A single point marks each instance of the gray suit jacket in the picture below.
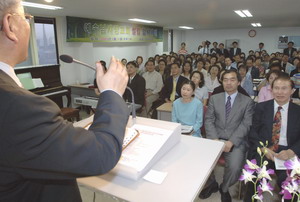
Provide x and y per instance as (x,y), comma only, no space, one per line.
(41,155)
(236,128)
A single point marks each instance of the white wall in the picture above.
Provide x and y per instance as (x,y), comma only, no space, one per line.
(92,52)
(267,35)
(178,37)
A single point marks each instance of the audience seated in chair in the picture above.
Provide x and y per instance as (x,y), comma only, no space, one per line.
(265,92)
(154,85)
(201,91)
(188,110)
(276,121)
(228,119)
(136,83)
(252,70)
(171,90)
(246,80)
(211,81)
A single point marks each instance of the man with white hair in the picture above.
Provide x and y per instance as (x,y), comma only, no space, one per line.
(41,155)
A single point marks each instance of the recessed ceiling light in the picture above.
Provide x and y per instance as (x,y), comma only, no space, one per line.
(256,24)
(244,13)
(49,1)
(141,20)
(43,6)
(240,13)
(185,27)
(247,13)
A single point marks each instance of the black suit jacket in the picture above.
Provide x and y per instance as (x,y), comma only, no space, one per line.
(254,73)
(168,87)
(262,125)
(138,86)
(41,155)
(286,52)
(215,51)
(225,52)
(231,52)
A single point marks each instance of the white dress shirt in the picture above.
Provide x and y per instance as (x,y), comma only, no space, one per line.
(204,50)
(153,81)
(10,72)
(211,84)
(283,129)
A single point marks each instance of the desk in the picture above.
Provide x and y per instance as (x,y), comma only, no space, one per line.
(81,91)
(164,112)
(188,165)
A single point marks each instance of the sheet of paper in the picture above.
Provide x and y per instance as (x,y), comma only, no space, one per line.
(186,129)
(279,164)
(155,176)
(140,152)
(38,83)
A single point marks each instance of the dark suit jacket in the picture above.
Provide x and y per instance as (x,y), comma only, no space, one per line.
(41,155)
(231,52)
(262,125)
(215,51)
(286,52)
(138,86)
(225,52)
(254,73)
(168,87)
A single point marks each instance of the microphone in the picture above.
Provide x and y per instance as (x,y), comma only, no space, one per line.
(69,59)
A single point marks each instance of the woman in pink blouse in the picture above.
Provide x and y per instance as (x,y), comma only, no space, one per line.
(265,92)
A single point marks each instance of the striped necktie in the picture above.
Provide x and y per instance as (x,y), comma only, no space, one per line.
(276,129)
(228,107)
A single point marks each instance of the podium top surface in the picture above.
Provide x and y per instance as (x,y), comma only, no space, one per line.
(188,165)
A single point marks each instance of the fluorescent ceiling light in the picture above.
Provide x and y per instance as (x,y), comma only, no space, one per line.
(49,1)
(240,13)
(141,20)
(185,27)
(256,24)
(243,13)
(43,6)
(247,13)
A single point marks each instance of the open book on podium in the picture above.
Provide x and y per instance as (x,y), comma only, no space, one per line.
(155,139)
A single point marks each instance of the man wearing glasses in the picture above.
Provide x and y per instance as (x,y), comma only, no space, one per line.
(41,155)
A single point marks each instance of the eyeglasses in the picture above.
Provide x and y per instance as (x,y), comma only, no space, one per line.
(27,16)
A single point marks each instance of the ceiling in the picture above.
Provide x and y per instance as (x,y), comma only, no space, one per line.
(200,14)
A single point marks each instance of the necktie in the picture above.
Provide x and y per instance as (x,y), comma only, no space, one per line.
(228,107)
(172,96)
(276,129)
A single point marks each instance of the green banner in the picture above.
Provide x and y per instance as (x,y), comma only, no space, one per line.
(92,30)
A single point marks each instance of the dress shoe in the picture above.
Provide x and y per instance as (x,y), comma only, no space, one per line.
(205,193)
(225,196)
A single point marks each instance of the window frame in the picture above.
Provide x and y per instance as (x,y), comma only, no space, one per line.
(33,41)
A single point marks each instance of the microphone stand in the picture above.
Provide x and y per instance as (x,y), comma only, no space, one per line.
(69,59)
